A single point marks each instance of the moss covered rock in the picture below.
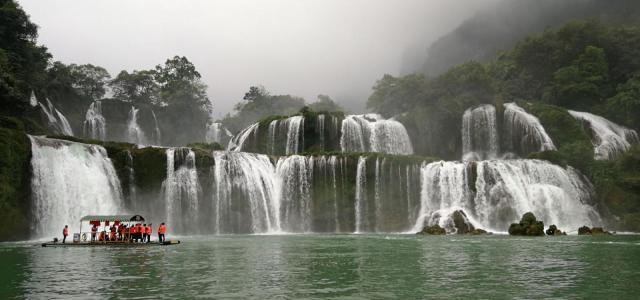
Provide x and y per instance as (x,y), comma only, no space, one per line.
(553,230)
(528,226)
(433,230)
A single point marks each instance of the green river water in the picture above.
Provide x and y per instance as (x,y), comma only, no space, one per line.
(331,266)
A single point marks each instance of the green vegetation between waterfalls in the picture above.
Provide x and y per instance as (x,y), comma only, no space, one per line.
(15,191)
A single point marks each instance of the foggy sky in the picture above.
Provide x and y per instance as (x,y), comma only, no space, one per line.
(298,47)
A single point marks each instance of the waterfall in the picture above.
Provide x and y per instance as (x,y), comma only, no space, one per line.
(181,190)
(246,193)
(33,101)
(320,131)
(480,133)
(238,141)
(56,119)
(495,193)
(295,204)
(157,136)
(295,129)
(95,125)
(523,132)
(361,184)
(609,139)
(333,164)
(216,133)
(70,180)
(372,133)
(135,134)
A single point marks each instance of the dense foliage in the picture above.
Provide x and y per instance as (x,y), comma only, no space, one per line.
(258,104)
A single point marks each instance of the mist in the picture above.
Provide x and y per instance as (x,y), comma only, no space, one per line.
(302,48)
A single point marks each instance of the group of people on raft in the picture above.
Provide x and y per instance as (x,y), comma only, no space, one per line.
(138,233)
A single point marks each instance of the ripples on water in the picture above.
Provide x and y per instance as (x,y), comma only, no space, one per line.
(330,266)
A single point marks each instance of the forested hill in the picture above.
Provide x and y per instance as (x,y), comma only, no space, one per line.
(588,66)
(501,26)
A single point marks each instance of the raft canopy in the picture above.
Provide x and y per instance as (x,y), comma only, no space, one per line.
(113,218)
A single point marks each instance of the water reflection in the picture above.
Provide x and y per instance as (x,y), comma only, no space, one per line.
(330,266)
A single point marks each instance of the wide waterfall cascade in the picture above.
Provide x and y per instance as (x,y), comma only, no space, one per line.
(95,125)
(480,133)
(56,119)
(372,133)
(181,190)
(246,193)
(523,132)
(503,190)
(609,139)
(295,204)
(216,133)
(135,134)
(70,180)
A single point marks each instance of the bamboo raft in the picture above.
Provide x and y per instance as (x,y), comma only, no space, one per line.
(109,244)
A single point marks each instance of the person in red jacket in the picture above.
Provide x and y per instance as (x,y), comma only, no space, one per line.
(161,230)
(148,231)
(65,232)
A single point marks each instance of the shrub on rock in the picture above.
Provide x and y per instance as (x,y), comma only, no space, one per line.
(553,230)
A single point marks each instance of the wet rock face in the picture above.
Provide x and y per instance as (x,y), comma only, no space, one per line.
(461,223)
(584,230)
(433,230)
(528,226)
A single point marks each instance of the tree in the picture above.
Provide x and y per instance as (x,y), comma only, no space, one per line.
(325,104)
(624,107)
(139,87)
(22,62)
(582,84)
(180,82)
(394,95)
(89,80)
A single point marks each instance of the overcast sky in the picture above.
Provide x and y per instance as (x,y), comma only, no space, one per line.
(298,47)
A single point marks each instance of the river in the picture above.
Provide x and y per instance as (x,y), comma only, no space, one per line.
(330,266)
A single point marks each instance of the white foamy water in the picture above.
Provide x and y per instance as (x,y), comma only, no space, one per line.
(70,180)
(609,139)
(95,125)
(372,133)
(523,132)
(480,133)
(135,134)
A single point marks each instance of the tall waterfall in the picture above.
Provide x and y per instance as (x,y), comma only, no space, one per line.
(609,139)
(181,190)
(372,133)
(295,204)
(246,193)
(56,119)
(495,193)
(135,134)
(480,133)
(216,133)
(523,132)
(95,125)
(157,136)
(70,180)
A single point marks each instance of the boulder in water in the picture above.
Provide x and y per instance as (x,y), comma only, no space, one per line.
(599,231)
(584,230)
(478,231)
(528,226)
(461,223)
(553,230)
(433,230)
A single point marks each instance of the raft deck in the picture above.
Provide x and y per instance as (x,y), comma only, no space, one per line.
(110,244)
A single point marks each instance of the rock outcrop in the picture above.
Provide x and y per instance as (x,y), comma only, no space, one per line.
(528,226)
